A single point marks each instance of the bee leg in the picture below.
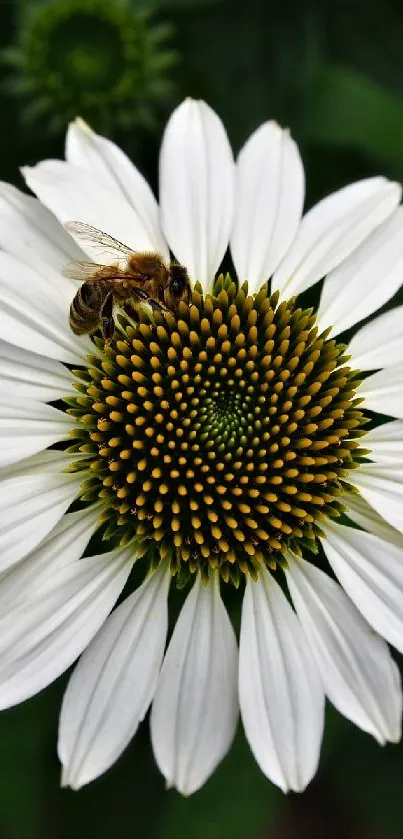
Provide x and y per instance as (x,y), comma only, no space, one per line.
(132,312)
(139,292)
(155,305)
(108,324)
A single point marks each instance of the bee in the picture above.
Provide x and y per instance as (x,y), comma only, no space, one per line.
(143,278)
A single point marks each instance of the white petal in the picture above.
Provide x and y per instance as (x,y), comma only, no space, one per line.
(386,442)
(358,673)
(332,229)
(197,174)
(38,643)
(30,232)
(49,461)
(28,427)
(63,545)
(371,572)
(359,511)
(113,684)
(111,167)
(280,694)
(34,313)
(195,710)
(73,194)
(270,188)
(27,375)
(383,391)
(366,280)
(380,342)
(32,501)
(381,484)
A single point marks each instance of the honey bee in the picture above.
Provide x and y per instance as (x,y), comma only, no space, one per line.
(144,278)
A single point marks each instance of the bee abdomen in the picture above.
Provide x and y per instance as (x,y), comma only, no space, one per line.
(82,318)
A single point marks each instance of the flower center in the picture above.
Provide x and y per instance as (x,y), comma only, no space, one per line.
(93,57)
(87,51)
(222,437)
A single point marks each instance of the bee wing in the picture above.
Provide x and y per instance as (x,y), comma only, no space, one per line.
(80,270)
(89,235)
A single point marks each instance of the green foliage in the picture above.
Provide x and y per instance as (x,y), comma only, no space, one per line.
(346,108)
(105,61)
(24,741)
(189,4)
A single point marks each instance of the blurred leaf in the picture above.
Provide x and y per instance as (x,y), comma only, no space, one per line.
(347,108)
(179,4)
(124,803)
(237,802)
(251,61)
(336,733)
(24,739)
(367,779)
(367,34)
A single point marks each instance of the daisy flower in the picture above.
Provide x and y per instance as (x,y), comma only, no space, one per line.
(235,443)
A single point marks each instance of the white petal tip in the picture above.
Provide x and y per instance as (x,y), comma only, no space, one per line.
(170,784)
(184,791)
(288,787)
(272,123)
(182,788)
(191,101)
(299,787)
(392,737)
(65,781)
(394,186)
(70,781)
(81,124)
(385,739)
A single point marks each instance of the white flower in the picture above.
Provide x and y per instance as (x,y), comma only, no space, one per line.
(57,604)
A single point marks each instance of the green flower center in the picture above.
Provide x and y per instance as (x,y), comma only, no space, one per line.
(222,437)
(103,60)
(87,51)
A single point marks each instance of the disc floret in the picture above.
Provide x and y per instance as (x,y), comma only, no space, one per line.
(222,437)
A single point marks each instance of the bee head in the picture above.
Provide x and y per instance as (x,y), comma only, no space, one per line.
(178,286)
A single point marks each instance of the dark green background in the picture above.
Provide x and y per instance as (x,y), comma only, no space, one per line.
(332,72)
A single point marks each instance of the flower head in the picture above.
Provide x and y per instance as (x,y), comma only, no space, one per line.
(243,420)
(109,63)
(232,441)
